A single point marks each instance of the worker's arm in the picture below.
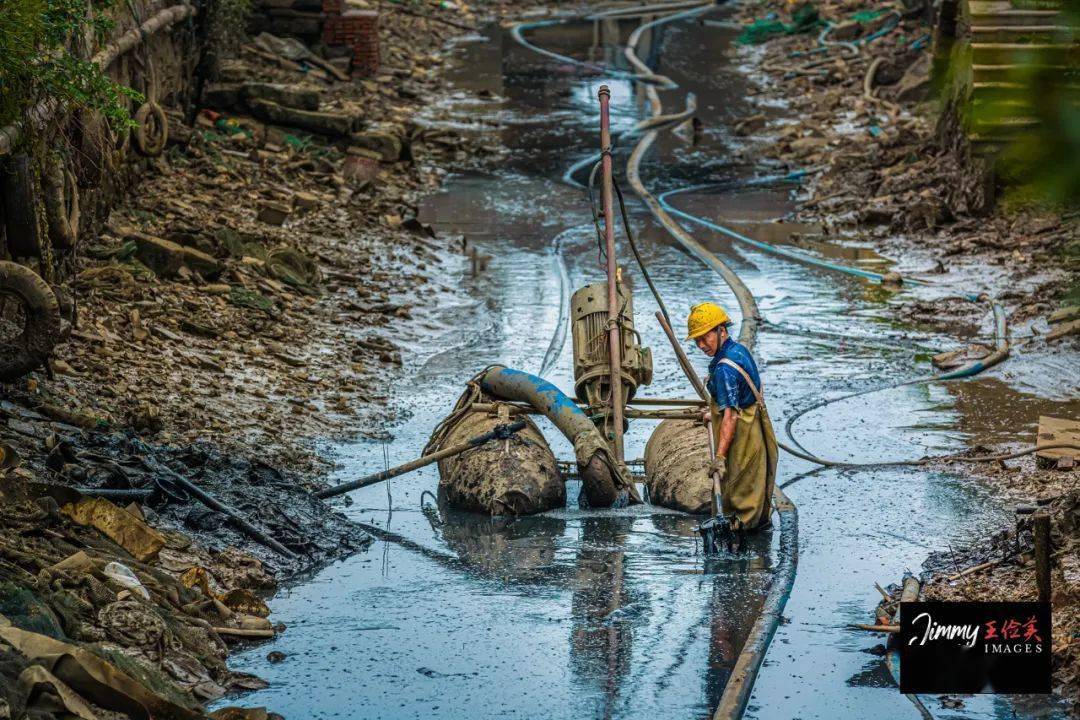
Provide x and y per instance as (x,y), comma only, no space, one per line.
(727,431)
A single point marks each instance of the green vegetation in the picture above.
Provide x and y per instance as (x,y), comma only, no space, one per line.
(1041,166)
(43,54)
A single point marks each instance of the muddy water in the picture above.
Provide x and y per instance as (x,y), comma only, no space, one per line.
(614,613)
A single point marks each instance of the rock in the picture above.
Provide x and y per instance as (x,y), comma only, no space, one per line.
(273,213)
(387,146)
(1063,330)
(846,31)
(293,96)
(206,265)
(323,123)
(1065,314)
(808,144)
(60,367)
(305,200)
(358,169)
(751,124)
(166,258)
(146,417)
(915,84)
(162,256)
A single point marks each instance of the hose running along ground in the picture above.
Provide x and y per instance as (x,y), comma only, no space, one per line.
(740,684)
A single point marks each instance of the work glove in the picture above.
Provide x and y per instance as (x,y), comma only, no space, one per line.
(718,465)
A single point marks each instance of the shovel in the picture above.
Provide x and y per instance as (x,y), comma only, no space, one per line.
(716,528)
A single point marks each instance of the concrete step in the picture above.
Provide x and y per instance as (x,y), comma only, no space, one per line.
(1020,34)
(1016,53)
(987,7)
(1005,72)
(1016,89)
(1016,17)
(1037,4)
(1003,127)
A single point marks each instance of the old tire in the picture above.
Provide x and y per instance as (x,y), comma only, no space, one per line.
(152,131)
(60,196)
(29,320)
(19,192)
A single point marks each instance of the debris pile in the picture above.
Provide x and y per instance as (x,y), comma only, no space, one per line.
(862,120)
(157,475)
(1002,568)
(857,82)
(284,214)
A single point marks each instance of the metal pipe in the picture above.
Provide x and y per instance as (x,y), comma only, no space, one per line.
(614,334)
(741,682)
(684,362)
(133,494)
(499,433)
(674,414)
(214,504)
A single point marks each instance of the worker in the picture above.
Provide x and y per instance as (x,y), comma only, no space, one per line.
(742,432)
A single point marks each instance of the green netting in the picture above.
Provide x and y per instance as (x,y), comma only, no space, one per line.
(867,15)
(27,612)
(804,19)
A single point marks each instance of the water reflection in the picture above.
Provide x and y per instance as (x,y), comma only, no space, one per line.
(520,549)
(602,632)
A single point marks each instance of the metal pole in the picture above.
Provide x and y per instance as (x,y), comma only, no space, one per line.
(614,335)
(214,504)
(499,433)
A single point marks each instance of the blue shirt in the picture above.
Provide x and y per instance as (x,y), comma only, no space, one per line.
(726,385)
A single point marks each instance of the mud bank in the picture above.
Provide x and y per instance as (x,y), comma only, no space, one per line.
(855,107)
(237,312)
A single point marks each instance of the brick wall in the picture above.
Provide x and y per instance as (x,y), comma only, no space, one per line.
(356,29)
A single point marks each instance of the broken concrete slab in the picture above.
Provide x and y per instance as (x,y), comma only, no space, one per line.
(293,96)
(323,123)
(387,145)
(1053,431)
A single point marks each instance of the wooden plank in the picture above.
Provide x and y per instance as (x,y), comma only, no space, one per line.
(1056,430)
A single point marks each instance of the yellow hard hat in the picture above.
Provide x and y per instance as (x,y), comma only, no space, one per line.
(703,318)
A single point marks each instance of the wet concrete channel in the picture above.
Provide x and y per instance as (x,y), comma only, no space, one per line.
(614,613)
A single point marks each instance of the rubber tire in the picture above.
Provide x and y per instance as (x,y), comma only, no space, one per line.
(42,331)
(19,193)
(144,142)
(60,196)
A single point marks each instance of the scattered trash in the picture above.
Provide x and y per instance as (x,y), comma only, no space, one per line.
(120,526)
(122,575)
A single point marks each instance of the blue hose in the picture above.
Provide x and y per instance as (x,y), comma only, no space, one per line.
(604,482)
